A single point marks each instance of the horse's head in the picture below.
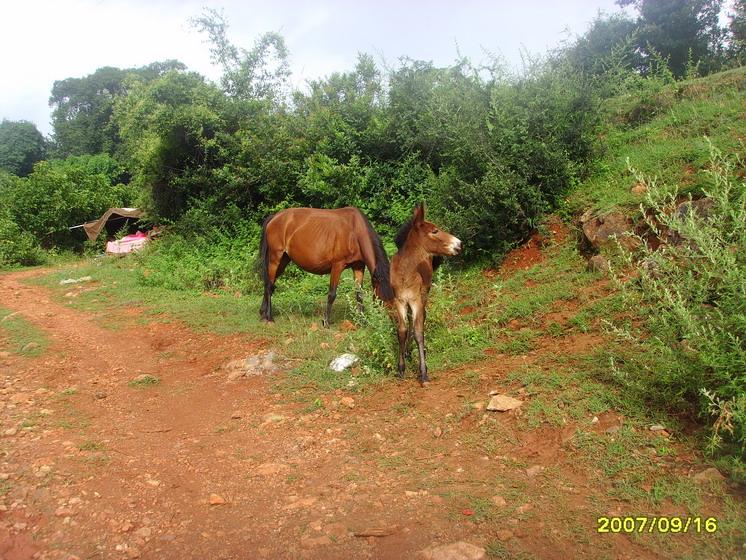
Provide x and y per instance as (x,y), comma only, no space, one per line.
(431,238)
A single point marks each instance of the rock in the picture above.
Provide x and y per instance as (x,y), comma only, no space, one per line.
(657,428)
(437,432)
(533,471)
(236,416)
(708,475)
(342,362)
(75,280)
(258,364)
(146,532)
(499,501)
(504,535)
(503,403)
(701,208)
(133,552)
(606,230)
(460,550)
(63,511)
(272,417)
(10,432)
(594,420)
(349,402)
(598,263)
(216,500)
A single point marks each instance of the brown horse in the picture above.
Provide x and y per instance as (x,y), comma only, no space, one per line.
(421,247)
(322,242)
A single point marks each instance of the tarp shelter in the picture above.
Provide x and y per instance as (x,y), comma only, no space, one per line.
(113,219)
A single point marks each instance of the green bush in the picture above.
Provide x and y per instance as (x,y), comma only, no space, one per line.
(17,247)
(693,290)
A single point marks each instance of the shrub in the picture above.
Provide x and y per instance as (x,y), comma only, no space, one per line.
(693,290)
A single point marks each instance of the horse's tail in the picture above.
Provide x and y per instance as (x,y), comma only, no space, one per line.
(262,260)
(380,273)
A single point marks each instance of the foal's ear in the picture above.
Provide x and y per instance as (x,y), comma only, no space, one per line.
(419,213)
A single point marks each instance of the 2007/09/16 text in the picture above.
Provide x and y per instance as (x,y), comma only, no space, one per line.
(655,524)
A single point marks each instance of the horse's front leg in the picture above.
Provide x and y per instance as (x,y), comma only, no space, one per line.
(336,272)
(359,272)
(418,318)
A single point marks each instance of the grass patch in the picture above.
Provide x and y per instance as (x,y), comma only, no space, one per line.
(144,381)
(19,336)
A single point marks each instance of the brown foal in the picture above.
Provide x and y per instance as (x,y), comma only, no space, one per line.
(420,243)
(322,242)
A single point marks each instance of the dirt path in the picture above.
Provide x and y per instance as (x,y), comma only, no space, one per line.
(199,467)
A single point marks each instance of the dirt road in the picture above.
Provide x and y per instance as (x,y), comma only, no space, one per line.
(197,466)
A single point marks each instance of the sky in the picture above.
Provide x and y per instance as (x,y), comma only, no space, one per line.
(47,40)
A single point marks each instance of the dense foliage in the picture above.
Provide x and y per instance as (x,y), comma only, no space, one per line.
(21,146)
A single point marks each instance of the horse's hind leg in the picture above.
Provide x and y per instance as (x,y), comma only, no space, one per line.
(277,263)
(418,318)
(336,272)
(403,334)
(359,272)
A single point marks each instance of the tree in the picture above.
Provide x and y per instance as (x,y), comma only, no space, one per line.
(682,31)
(21,146)
(737,27)
(259,73)
(82,108)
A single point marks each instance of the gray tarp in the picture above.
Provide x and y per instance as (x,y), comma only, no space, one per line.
(93,228)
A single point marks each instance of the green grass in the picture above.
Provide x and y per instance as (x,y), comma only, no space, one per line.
(19,336)
(144,381)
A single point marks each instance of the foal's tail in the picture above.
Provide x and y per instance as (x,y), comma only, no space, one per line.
(380,273)
(262,261)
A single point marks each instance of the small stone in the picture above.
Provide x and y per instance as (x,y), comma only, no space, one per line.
(349,402)
(236,416)
(708,475)
(437,432)
(499,501)
(133,552)
(657,428)
(533,471)
(598,263)
(145,532)
(523,509)
(503,403)
(216,500)
(594,420)
(63,511)
(10,432)
(504,535)
(126,526)
(344,361)
(460,550)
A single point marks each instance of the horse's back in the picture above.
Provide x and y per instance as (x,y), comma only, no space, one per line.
(316,238)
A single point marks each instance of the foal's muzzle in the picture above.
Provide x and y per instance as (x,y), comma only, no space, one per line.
(455,246)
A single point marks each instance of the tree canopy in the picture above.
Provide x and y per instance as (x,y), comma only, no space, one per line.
(21,146)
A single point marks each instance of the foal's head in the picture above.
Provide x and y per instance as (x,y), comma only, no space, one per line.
(427,235)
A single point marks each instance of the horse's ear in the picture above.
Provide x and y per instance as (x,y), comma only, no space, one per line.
(419,213)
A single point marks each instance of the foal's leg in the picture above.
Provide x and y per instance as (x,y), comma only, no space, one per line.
(403,334)
(359,272)
(277,263)
(418,318)
(336,272)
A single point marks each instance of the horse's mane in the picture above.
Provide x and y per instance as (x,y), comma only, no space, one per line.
(381,273)
(401,239)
